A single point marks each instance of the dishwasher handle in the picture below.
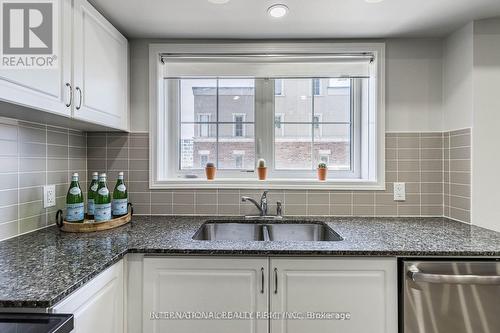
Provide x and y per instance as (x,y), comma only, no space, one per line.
(417,276)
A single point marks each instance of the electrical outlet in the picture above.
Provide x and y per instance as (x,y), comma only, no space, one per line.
(49,196)
(399,191)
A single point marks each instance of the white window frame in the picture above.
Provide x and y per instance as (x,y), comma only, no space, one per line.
(372,178)
(243,127)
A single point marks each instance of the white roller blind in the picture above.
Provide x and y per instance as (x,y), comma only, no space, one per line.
(268,66)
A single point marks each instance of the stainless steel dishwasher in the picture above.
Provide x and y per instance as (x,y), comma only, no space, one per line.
(450,296)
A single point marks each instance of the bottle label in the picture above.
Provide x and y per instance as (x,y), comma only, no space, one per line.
(90,207)
(102,212)
(74,212)
(103,191)
(121,188)
(75,191)
(120,206)
(94,187)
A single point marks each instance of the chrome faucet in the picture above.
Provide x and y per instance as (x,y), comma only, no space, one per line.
(262,206)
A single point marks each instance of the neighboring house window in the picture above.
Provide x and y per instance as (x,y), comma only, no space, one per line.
(317,87)
(278,87)
(238,126)
(204,126)
(203,159)
(238,161)
(324,156)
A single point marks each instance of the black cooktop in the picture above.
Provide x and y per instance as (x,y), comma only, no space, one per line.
(35,323)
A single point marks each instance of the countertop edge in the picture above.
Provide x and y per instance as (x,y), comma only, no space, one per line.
(48,304)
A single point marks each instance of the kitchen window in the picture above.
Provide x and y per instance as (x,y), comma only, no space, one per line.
(234,107)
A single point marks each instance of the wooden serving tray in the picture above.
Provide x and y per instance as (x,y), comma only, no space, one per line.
(90,225)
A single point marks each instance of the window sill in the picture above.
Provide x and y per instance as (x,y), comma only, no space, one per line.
(281,184)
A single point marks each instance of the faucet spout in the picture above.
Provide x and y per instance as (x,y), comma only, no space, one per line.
(245,199)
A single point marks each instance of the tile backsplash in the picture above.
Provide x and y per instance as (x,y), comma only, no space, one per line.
(32,155)
(457,174)
(414,158)
(434,166)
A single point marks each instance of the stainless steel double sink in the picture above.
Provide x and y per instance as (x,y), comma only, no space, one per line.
(263,231)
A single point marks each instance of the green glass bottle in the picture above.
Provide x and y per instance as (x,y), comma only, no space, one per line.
(74,201)
(91,195)
(120,197)
(102,201)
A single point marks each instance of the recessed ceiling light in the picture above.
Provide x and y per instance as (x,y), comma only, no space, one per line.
(277,11)
(236,98)
(219,2)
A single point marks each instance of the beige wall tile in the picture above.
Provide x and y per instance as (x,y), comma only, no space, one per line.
(341,210)
(295,198)
(295,209)
(382,210)
(318,198)
(318,210)
(361,210)
(408,210)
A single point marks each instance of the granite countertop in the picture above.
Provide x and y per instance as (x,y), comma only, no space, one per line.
(39,269)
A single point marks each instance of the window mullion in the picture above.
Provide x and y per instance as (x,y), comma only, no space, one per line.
(264,124)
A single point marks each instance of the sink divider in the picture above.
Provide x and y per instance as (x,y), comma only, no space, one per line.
(265,233)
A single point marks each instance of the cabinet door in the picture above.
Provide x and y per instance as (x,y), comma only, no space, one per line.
(100,69)
(44,89)
(364,289)
(210,285)
(98,306)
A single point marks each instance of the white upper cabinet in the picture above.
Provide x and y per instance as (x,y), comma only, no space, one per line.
(90,82)
(44,89)
(100,69)
(364,289)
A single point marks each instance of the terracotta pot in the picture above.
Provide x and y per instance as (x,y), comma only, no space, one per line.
(210,172)
(322,172)
(262,173)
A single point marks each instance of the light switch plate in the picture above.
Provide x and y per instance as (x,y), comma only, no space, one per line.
(49,196)
(399,191)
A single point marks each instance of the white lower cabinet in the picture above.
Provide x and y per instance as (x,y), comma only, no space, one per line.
(364,289)
(98,306)
(203,284)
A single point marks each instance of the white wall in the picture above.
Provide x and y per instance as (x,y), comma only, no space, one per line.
(139,85)
(486,125)
(413,75)
(414,85)
(457,79)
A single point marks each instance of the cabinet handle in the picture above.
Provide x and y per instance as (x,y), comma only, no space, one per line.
(275,280)
(70,95)
(80,102)
(262,280)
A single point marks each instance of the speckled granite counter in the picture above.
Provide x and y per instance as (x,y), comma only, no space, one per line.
(41,268)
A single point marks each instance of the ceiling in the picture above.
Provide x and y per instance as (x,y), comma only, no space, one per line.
(307,18)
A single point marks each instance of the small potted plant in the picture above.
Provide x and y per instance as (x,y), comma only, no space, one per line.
(262,169)
(210,171)
(322,171)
